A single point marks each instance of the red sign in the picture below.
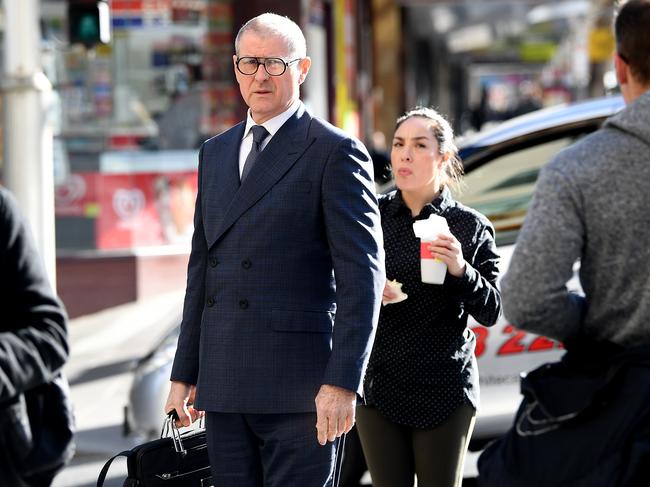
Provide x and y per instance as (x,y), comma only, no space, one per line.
(146,209)
(132,210)
(77,195)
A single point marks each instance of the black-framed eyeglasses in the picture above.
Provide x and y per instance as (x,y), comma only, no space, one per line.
(274,66)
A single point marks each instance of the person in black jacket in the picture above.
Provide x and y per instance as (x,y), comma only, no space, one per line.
(421,385)
(33,345)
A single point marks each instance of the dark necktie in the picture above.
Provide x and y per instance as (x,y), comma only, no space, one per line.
(259,134)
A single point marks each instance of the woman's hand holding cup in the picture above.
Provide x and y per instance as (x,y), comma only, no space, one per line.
(447,248)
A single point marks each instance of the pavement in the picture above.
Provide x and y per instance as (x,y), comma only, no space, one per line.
(104,348)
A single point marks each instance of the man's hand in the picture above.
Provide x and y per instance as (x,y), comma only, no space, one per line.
(181,398)
(334,412)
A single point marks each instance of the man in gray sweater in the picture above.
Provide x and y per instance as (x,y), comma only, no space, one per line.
(592,205)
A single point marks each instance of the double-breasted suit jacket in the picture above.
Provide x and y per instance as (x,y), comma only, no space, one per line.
(286,271)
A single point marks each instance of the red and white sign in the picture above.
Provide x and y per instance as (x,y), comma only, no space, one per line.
(132,210)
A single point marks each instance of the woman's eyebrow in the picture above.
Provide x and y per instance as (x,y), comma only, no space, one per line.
(419,137)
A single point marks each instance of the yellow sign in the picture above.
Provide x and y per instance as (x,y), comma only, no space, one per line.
(535,52)
(346,116)
(601,44)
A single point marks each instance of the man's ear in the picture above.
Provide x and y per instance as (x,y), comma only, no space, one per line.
(304,66)
(622,70)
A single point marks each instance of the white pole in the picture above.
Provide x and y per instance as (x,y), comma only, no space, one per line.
(28,140)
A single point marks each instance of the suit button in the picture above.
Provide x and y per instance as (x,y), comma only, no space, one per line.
(243,303)
(213,262)
(246,264)
(210,302)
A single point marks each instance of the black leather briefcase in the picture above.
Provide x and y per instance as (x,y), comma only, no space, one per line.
(176,459)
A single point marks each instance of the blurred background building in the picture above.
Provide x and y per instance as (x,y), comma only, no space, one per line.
(139,84)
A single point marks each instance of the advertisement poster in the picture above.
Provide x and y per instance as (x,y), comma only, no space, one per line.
(132,210)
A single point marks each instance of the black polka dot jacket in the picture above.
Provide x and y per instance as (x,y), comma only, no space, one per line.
(422,365)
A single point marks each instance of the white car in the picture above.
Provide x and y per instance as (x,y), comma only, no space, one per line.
(501,166)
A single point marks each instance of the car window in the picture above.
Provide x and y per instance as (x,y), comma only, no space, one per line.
(502,187)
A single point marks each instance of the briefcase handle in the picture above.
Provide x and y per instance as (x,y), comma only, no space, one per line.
(170,429)
(169,426)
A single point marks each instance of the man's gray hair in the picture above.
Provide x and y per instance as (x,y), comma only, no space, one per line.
(273,25)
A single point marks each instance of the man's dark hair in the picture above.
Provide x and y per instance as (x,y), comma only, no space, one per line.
(632,28)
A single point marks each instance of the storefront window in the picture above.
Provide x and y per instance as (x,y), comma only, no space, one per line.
(131,116)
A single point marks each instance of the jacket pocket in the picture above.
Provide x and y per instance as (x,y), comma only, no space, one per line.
(302,321)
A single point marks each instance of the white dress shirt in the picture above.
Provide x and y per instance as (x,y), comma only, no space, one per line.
(272,126)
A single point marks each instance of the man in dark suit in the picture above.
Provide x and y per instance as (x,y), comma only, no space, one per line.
(284,280)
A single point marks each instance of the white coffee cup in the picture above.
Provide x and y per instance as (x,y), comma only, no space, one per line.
(433,271)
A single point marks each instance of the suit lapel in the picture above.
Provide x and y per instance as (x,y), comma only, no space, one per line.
(281,153)
(222,181)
